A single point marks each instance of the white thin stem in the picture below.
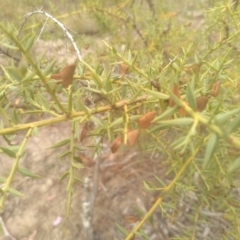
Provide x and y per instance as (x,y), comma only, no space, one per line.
(69,36)
(41,31)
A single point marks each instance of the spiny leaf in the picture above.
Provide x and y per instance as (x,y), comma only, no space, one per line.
(78,179)
(166,114)
(49,68)
(155,94)
(28,173)
(23,67)
(162,183)
(77,165)
(172,123)
(29,76)
(9,152)
(64,175)
(61,143)
(122,230)
(143,234)
(15,193)
(190,96)
(234,166)
(80,105)
(139,210)
(29,43)
(211,146)
(15,73)
(64,154)
(6,45)
(224,117)
(235,124)
(150,185)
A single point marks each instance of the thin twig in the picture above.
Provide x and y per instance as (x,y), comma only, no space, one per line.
(86,210)
(95,184)
(136,28)
(6,232)
(160,199)
(123,162)
(151,6)
(23,23)
(69,36)
(6,53)
(74,115)
(71,39)
(41,31)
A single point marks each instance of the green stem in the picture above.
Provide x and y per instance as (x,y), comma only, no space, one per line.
(126,121)
(71,170)
(6,116)
(34,65)
(19,153)
(74,115)
(160,199)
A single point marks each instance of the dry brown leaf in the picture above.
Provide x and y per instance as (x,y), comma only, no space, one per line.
(176,92)
(88,162)
(66,75)
(132,137)
(116,144)
(145,121)
(84,132)
(216,89)
(201,103)
(130,219)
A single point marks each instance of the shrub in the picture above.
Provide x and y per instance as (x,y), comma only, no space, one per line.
(159,78)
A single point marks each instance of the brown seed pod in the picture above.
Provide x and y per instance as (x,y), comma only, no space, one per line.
(132,137)
(131,219)
(201,103)
(88,162)
(116,144)
(124,68)
(66,75)
(145,121)
(182,112)
(193,69)
(84,132)
(216,89)
(202,128)
(176,92)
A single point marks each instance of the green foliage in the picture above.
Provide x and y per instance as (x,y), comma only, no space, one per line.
(131,76)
